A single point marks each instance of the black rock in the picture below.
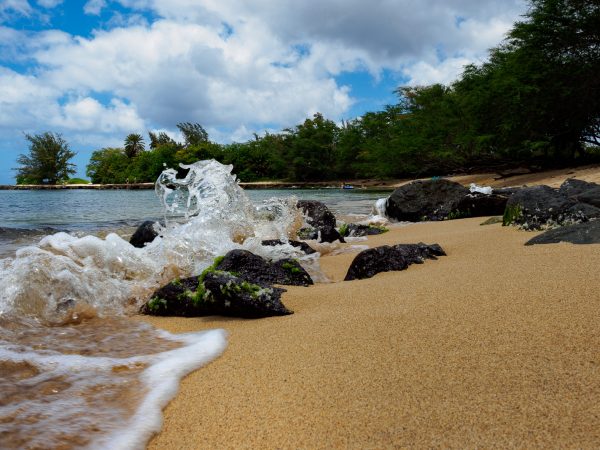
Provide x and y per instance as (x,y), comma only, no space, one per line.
(581,233)
(478,204)
(506,191)
(387,258)
(591,197)
(538,206)
(329,234)
(307,249)
(425,200)
(216,293)
(255,269)
(317,214)
(356,230)
(145,233)
(574,187)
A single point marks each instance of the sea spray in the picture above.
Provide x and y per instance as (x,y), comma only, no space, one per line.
(77,373)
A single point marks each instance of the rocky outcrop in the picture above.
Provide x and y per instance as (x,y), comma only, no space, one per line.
(425,200)
(322,222)
(317,214)
(144,234)
(255,269)
(538,207)
(389,258)
(216,293)
(581,233)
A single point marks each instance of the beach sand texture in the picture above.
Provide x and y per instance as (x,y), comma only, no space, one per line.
(494,345)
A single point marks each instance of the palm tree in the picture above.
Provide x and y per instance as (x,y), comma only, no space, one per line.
(134,145)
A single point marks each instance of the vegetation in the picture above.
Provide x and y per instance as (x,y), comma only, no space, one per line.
(77,181)
(47,161)
(536,101)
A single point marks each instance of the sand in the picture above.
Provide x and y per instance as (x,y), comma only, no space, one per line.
(495,345)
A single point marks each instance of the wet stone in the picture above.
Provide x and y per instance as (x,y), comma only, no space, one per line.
(390,258)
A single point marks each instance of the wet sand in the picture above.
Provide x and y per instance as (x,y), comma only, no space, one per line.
(494,345)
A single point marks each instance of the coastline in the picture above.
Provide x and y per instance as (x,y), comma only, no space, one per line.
(493,345)
(512,178)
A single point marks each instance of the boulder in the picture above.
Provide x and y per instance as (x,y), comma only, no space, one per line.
(253,268)
(356,230)
(537,207)
(322,234)
(216,293)
(329,234)
(144,234)
(317,214)
(420,200)
(573,187)
(477,205)
(307,249)
(581,233)
(387,258)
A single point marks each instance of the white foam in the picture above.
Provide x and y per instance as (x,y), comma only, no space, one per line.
(161,379)
(115,278)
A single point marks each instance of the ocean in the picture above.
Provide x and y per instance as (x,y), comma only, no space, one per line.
(77,369)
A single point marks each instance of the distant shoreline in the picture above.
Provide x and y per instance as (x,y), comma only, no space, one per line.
(364,184)
(517,177)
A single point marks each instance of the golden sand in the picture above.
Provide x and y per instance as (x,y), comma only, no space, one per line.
(494,345)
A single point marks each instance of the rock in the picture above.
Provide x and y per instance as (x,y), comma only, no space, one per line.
(216,293)
(356,230)
(145,233)
(307,249)
(255,269)
(590,197)
(581,233)
(317,214)
(425,200)
(477,205)
(573,187)
(535,207)
(387,258)
(329,234)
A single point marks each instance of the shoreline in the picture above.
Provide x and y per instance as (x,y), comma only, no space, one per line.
(492,345)
(494,179)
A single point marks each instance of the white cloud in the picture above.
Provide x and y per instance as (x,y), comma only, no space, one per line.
(276,67)
(12,7)
(49,3)
(94,7)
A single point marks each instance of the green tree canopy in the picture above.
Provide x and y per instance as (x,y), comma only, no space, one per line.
(134,145)
(47,161)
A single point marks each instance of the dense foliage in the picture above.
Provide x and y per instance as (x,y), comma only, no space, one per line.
(536,101)
(47,161)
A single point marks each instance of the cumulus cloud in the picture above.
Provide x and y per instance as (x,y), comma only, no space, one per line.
(94,7)
(233,66)
(49,3)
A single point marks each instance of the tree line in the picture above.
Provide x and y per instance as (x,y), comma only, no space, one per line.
(536,101)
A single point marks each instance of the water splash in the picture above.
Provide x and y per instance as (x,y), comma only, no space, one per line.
(206,215)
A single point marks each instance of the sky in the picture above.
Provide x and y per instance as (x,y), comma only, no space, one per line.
(98,70)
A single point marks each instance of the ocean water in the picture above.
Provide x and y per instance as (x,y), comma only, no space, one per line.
(77,370)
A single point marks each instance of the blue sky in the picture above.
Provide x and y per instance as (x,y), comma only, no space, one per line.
(98,70)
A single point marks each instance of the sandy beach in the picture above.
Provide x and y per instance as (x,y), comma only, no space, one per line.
(495,345)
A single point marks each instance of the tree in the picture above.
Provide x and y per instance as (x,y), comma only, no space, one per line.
(159,139)
(134,145)
(193,133)
(47,161)
(108,165)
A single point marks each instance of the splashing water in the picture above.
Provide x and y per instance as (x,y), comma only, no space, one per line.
(75,372)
